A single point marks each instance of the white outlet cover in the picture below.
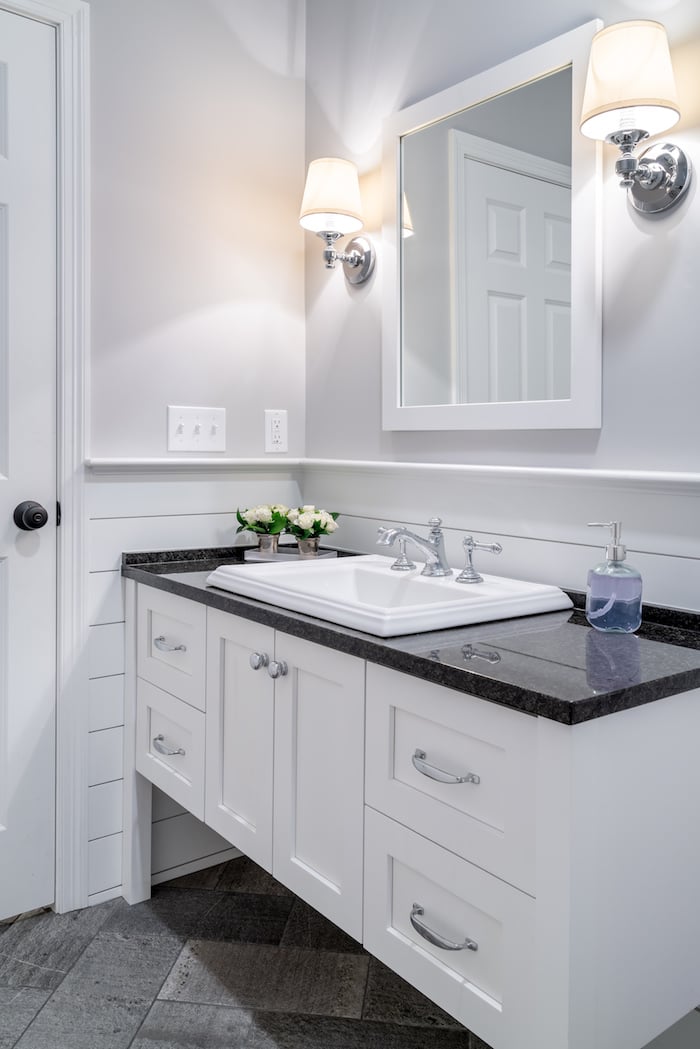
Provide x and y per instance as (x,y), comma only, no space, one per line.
(192,429)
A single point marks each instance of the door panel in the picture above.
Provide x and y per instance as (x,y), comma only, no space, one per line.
(27,461)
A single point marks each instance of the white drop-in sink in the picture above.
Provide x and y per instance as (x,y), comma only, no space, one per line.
(362,592)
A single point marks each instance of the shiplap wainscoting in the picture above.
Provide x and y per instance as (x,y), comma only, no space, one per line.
(135,508)
(538,515)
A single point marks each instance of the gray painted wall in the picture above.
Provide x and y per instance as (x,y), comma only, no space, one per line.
(399,51)
(197,173)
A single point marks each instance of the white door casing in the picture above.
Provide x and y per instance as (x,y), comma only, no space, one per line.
(69,20)
(27,462)
(512,318)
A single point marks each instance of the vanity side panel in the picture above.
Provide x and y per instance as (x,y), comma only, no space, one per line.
(635,854)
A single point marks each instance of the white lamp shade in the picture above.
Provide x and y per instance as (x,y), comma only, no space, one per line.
(331,201)
(630,83)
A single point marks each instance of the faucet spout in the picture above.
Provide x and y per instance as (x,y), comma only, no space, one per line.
(432,545)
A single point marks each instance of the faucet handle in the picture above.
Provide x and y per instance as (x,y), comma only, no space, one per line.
(435,523)
(469,574)
(403,563)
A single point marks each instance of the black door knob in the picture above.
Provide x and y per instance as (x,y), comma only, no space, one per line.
(30,515)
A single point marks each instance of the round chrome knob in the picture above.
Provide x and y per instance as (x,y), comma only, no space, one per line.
(277,668)
(258,660)
(30,515)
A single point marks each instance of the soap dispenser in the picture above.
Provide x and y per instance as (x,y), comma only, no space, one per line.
(614,594)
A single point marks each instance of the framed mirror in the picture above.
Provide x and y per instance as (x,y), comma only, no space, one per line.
(492,311)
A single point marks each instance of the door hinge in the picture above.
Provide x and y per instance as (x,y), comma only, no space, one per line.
(58,514)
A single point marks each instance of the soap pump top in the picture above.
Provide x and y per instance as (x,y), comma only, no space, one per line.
(614,550)
(614,593)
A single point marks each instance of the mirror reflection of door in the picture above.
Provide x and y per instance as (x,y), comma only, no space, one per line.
(511,274)
(468,315)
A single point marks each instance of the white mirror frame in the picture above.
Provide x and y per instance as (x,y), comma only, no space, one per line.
(583,408)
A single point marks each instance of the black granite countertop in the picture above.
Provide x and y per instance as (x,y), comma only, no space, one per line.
(551,665)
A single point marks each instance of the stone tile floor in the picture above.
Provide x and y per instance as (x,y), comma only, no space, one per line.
(224,959)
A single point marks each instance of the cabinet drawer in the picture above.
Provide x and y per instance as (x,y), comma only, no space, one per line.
(170,746)
(171,644)
(485,811)
(488,986)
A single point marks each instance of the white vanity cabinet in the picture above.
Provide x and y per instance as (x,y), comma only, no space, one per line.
(285,760)
(538,880)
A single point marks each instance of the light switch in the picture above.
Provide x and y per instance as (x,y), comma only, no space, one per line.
(196,429)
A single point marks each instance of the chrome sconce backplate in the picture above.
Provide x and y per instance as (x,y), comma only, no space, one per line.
(358,260)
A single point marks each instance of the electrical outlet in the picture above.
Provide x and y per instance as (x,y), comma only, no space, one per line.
(276,430)
(196,429)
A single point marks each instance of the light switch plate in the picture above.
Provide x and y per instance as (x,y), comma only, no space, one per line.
(196,429)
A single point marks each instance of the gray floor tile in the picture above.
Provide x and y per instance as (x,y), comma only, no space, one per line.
(307,928)
(390,999)
(18,1007)
(202,914)
(182,1025)
(39,951)
(275,1031)
(246,918)
(242,875)
(106,995)
(281,979)
(170,912)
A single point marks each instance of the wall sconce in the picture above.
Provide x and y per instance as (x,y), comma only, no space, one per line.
(630,94)
(331,208)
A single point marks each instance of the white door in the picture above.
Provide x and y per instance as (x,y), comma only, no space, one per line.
(27,461)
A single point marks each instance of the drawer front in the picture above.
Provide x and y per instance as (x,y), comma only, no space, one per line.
(461,936)
(171,644)
(170,746)
(457,769)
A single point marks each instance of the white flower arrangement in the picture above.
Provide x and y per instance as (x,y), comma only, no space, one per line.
(265,519)
(306,522)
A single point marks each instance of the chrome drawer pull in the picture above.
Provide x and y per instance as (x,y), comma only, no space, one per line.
(435,938)
(258,660)
(162,747)
(432,772)
(165,646)
(277,668)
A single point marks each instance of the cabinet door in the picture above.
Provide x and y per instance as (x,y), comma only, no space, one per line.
(319,768)
(240,729)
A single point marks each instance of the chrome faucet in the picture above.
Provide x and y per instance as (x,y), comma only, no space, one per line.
(432,545)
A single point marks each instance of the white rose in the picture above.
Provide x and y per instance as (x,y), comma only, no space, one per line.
(306,520)
(332,525)
(293,516)
(263,514)
(278,508)
(249,516)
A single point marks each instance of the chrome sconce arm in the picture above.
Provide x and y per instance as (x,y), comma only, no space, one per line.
(357,261)
(657,178)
